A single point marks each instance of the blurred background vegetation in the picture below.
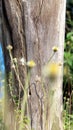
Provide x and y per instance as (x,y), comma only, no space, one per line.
(68,53)
(68,68)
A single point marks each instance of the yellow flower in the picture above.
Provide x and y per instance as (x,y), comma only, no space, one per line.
(31,64)
(9,47)
(55,48)
(51,70)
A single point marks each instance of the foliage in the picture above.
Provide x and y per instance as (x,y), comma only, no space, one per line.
(67,113)
(68,51)
(68,59)
(2,126)
(68,121)
(68,69)
(20,108)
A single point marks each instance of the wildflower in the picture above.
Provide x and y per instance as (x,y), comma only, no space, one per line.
(22,61)
(13,66)
(68,43)
(15,60)
(64,98)
(51,70)
(9,47)
(67,102)
(55,48)
(31,64)
(38,78)
(67,99)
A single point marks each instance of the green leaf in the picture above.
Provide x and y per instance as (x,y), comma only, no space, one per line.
(69,35)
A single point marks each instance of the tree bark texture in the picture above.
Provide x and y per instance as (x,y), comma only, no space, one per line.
(0,21)
(33,27)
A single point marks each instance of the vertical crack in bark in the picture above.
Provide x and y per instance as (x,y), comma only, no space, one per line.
(7,21)
(23,24)
(14,25)
(36,22)
(36,19)
(41,103)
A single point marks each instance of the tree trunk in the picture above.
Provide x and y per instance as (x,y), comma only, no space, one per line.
(33,28)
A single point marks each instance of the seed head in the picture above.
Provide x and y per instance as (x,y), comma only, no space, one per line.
(55,48)
(9,47)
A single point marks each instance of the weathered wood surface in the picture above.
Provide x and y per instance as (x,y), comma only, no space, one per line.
(33,28)
(0,21)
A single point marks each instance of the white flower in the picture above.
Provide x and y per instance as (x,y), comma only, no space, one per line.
(13,66)
(22,61)
(15,60)
(9,47)
(38,78)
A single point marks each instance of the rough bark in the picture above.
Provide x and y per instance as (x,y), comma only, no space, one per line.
(0,21)
(33,28)
(13,34)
